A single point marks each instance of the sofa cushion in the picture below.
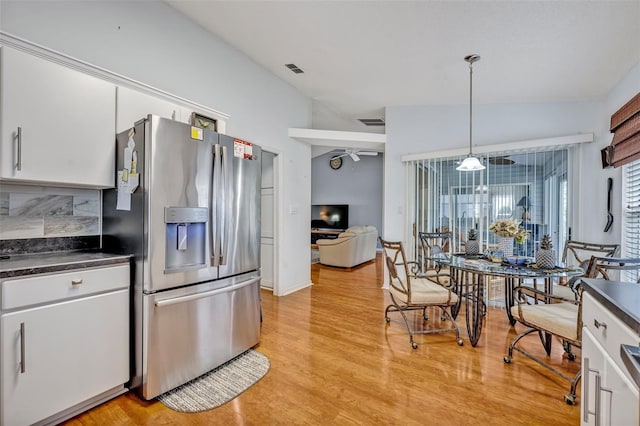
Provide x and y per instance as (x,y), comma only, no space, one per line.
(354,246)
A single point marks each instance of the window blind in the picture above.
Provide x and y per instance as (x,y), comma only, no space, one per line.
(625,126)
(631,216)
(530,187)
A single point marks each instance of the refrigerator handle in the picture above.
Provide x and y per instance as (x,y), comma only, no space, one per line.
(215,196)
(227,204)
(190,297)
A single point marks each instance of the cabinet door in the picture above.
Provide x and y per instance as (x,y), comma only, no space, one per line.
(593,370)
(134,105)
(619,396)
(65,119)
(609,396)
(72,351)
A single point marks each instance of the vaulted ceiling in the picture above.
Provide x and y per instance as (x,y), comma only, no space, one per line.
(360,56)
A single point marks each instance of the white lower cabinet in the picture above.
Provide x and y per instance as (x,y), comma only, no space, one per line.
(57,356)
(609,397)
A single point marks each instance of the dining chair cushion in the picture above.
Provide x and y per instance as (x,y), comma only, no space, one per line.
(424,291)
(442,276)
(564,291)
(560,319)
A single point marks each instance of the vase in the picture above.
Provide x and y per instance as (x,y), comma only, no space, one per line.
(472,247)
(505,245)
(546,259)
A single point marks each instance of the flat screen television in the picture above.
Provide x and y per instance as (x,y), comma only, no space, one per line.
(330,216)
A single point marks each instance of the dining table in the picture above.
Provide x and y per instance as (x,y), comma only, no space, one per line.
(469,275)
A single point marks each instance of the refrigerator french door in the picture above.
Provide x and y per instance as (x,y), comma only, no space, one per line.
(193,226)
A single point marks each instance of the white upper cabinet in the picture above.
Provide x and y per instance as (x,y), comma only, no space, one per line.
(57,125)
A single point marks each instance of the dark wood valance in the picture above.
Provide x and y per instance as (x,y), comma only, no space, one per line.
(625,126)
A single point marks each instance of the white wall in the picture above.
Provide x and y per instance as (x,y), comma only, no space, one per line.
(154,44)
(423,129)
(594,178)
(358,184)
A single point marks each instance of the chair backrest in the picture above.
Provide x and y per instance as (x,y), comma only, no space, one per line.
(609,268)
(432,243)
(439,241)
(396,261)
(578,253)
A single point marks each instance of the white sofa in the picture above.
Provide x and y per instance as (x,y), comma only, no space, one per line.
(354,246)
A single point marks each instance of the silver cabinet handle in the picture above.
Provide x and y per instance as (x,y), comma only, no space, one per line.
(76,281)
(19,148)
(599,324)
(585,397)
(597,399)
(598,388)
(22,349)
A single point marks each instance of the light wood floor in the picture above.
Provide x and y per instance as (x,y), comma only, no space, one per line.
(335,361)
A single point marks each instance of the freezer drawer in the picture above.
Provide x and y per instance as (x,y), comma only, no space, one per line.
(192,331)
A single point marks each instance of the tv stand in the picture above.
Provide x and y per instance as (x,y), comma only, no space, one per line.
(318,234)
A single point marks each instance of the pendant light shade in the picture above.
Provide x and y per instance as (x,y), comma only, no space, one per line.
(471,163)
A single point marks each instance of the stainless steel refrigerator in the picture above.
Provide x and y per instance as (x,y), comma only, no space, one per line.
(193,226)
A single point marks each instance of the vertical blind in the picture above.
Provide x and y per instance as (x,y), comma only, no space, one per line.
(631,215)
(530,187)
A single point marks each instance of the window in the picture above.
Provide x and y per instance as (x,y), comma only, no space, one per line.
(530,187)
(631,215)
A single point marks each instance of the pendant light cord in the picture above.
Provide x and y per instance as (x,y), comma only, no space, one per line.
(470,105)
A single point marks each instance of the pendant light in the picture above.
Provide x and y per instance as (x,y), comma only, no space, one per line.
(471,163)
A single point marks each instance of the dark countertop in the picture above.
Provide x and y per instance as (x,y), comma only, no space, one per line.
(29,264)
(622,299)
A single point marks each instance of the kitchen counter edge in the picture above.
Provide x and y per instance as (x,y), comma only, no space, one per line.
(621,298)
(32,264)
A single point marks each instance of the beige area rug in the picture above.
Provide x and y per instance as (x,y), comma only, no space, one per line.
(315,256)
(219,385)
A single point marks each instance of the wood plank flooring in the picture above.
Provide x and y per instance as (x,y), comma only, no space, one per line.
(335,361)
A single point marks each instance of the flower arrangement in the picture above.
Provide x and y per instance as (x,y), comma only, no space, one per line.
(509,228)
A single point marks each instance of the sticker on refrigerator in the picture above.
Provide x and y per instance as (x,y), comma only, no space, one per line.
(242,149)
(197,133)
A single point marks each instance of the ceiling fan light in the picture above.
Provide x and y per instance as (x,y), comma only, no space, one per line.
(470,164)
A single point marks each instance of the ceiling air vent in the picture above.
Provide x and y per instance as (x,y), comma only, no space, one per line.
(372,121)
(294,68)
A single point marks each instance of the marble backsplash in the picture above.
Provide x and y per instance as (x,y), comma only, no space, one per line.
(34,212)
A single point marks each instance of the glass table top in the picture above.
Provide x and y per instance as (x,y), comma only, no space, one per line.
(482,264)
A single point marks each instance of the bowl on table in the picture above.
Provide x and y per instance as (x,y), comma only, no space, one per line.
(518,260)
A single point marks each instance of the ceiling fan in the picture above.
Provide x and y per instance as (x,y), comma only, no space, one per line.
(502,160)
(355,154)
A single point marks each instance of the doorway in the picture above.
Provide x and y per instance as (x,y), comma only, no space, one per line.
(268,234)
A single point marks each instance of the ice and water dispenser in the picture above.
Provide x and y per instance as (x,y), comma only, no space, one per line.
(185,237)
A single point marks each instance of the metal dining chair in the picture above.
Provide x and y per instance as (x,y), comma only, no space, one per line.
(409,292)
(563,318)
(577,253)
(433,243)
(612,268)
